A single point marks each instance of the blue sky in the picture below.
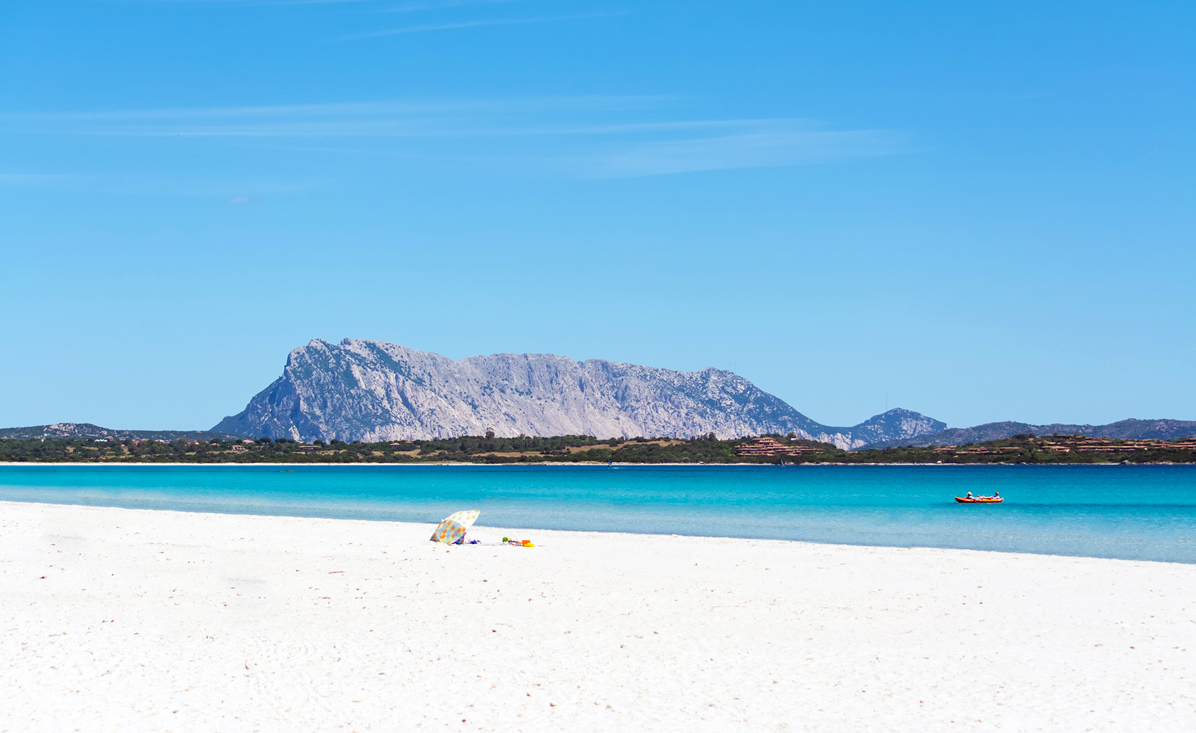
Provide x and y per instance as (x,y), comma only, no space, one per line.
(983,210)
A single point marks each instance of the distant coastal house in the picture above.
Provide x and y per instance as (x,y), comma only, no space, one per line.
(238,447)
(772,447)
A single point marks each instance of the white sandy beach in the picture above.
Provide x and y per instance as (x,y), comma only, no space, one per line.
(130,620)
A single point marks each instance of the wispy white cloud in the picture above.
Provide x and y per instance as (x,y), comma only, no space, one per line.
(233,189)
(260,2)
(36,179)
(597,136)
(408,7)
(762,144)
(429,27)
(446,118)
(446,4)
(419,6)
(401,8)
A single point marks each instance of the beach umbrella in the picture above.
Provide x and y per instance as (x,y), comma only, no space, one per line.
(454,526)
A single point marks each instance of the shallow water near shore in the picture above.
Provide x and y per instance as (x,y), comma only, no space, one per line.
(1127,512)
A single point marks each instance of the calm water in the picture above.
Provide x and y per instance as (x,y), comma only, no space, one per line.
(1131,512)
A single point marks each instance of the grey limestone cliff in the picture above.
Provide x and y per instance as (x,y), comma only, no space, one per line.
(372,391)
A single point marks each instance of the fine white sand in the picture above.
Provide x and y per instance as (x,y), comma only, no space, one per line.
(129,620)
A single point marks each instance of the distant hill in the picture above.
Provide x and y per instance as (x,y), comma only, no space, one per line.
(1123,430)
(83,431)
(373,391)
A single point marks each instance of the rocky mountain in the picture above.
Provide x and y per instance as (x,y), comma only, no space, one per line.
(84,431)
(373,391)
(1123,429)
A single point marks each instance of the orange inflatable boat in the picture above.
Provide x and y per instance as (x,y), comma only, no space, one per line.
(980,500)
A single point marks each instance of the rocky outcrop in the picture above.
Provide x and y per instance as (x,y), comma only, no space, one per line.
(897,424)
(372,391)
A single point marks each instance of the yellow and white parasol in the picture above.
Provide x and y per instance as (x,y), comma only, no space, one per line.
(454,526)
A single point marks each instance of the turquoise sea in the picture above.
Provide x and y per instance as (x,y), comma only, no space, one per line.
(1129,512)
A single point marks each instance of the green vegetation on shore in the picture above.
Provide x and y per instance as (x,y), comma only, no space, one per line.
(1020,449)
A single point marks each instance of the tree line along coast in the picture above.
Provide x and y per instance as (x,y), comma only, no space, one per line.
(768,449)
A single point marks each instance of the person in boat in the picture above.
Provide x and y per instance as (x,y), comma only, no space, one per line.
(969,496)
(996,494)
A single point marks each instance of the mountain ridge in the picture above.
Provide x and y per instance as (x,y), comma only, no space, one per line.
(373,390)
(85,431)
(1129,429)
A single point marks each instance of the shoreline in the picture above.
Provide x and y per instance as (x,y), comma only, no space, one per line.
(160,619)
(602,534)
(599,464)
(209,509)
